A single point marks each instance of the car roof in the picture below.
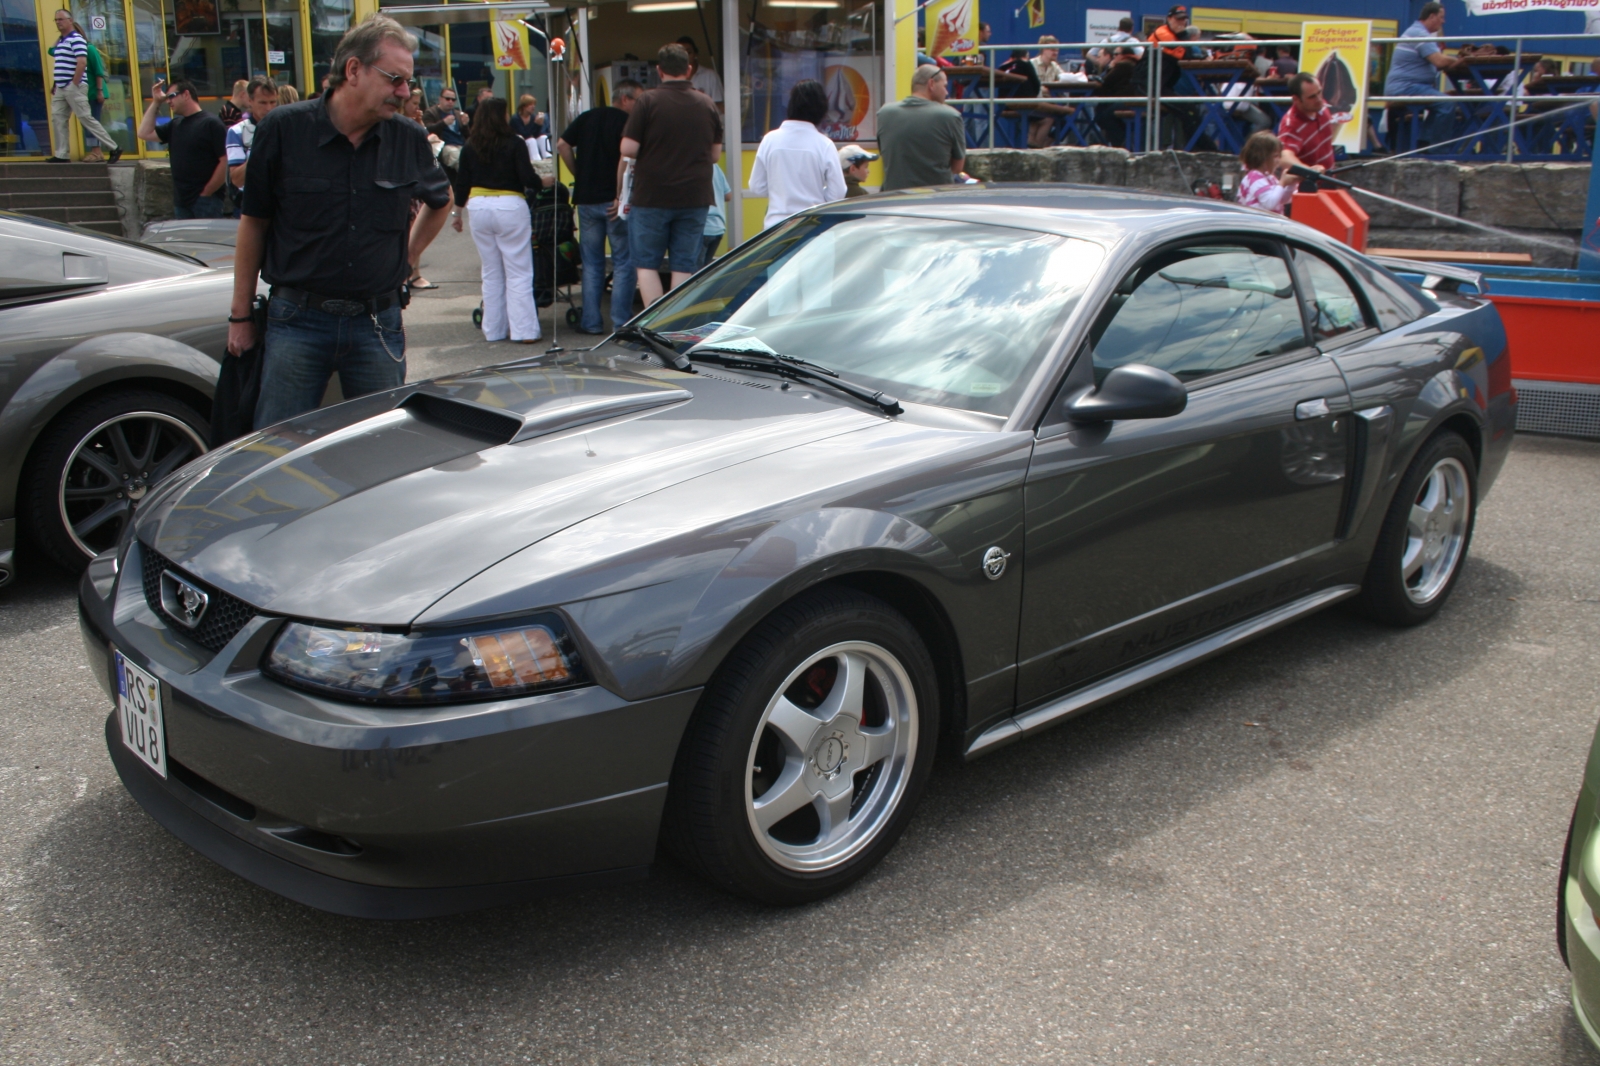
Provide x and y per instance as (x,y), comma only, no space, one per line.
(1095,212)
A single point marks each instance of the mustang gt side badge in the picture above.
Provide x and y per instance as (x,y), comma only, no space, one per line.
(994,562)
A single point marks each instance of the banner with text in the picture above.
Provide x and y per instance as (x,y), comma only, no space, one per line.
(510,45)
(1336,52)
(952,28)
(1509,7)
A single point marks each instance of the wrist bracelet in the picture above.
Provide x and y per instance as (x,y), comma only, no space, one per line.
(246,318)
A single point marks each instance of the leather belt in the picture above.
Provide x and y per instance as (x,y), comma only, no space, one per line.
(338,305)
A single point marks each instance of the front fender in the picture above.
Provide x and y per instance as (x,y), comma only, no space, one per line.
(79,370)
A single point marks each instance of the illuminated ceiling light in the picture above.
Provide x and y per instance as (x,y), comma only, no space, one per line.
(804,3)
(647,6)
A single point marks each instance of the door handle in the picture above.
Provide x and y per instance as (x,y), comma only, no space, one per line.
(1307,409)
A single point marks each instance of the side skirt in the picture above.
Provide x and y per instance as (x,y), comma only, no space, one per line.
(1042,717)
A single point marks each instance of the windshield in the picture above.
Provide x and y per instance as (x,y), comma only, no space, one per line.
(935,312)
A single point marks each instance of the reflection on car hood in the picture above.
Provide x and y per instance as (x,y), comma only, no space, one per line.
(370,511)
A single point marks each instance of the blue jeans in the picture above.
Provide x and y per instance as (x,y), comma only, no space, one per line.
(673,231)
(1440,124)
(305,347)
(593,230)
(203,207)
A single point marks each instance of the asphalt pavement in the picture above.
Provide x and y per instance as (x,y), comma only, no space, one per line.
(1338,844)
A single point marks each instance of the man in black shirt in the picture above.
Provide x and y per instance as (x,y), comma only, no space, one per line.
(591,146)
(196,149)
(327,203)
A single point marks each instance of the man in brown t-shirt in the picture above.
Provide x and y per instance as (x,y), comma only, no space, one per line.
(673,139)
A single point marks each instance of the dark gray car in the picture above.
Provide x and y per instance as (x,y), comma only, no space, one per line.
(108,355)
(938,467)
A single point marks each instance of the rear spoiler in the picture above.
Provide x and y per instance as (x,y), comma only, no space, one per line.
(1441,277)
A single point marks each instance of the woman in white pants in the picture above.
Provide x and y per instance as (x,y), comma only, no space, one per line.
(491,182)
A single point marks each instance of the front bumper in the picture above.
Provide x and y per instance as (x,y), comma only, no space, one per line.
(384,812)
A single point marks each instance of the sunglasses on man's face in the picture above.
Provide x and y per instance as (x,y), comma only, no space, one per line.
(395,80)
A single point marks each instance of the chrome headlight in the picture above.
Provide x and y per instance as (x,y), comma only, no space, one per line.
(373,666)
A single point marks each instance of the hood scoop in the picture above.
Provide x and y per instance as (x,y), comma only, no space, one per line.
(501,408)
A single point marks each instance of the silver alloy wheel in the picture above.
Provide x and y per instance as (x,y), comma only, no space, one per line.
(823,780)
(1436,531)
(112,468)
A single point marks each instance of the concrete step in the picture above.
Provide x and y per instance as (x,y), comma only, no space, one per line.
(42,180)
(27,201)
(53,170)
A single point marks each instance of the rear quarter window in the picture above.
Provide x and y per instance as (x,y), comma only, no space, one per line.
(1393,301)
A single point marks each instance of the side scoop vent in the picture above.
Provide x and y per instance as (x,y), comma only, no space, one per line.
(492,427)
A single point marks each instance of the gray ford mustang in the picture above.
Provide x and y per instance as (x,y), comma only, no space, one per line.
(108,361)
(941,467)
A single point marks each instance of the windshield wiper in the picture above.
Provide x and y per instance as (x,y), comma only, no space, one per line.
(794,367)
(658,344)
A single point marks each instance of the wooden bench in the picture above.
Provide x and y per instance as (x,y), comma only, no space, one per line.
(1422,255)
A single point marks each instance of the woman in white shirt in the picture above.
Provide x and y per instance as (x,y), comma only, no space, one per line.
(797,166)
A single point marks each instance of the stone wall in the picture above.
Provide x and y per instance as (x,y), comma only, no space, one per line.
(1539,204)
(144,194)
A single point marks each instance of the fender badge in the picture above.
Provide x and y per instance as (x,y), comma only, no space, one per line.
(994,562)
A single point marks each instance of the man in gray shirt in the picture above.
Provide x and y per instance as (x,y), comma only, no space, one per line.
(1414,71)
(923,141)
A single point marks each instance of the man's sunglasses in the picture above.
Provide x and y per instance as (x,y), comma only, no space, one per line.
(395,80)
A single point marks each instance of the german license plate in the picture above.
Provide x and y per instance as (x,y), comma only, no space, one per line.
(144,728)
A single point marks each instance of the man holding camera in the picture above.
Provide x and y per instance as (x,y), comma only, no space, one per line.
(328,193)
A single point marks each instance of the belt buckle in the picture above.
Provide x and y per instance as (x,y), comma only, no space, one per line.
(344,307)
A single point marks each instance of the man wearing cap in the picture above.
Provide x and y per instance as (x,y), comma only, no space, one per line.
(854,160)
(1176,28)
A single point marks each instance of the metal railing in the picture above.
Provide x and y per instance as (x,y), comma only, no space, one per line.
(1152,101)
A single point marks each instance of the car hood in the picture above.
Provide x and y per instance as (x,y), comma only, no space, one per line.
(370,511)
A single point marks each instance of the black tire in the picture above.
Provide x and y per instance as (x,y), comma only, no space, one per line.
(573,317)
(77,464)
(711,803)
(1561,890)
(477,317)
(1443,468)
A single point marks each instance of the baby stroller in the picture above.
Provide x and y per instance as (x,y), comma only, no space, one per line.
(556,259)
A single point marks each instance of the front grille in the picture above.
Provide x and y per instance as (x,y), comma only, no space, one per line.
(225,615)
(1564,408)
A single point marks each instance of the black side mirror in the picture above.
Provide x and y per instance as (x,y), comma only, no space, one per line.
(1133,390)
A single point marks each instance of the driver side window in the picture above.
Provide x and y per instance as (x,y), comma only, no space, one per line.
(1200,310)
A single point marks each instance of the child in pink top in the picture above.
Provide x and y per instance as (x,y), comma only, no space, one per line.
(1262,157)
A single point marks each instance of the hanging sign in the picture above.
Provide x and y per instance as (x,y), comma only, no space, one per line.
(952,28)
(1336,52)
(275,58)
(1100,23)
(510,45)
(1035,14)
(1509,7)
(97,22)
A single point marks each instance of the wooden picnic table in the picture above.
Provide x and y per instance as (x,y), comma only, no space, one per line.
(1564,83)
(1241,65)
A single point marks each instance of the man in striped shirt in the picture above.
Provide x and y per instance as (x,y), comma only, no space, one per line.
(1307,129)
(70,93)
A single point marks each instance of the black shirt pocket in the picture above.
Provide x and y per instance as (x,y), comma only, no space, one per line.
(310,204)
(390,204)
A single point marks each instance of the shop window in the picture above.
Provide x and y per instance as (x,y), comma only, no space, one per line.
(837,48)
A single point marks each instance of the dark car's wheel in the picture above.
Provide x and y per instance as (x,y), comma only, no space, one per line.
(93,464)
(1561,890)
(808,751)
(1425,535)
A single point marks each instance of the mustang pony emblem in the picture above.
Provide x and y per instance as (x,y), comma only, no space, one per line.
(182,601)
